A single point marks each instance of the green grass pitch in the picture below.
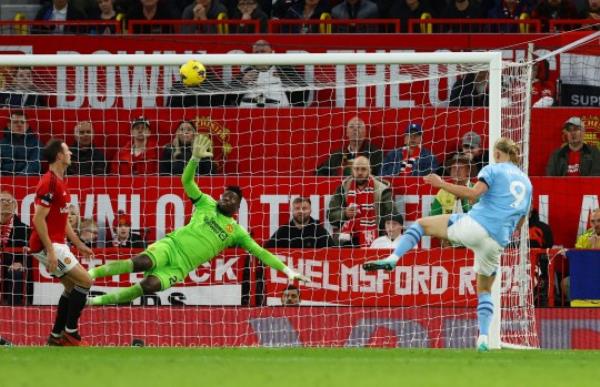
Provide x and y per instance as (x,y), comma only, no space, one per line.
(306,367)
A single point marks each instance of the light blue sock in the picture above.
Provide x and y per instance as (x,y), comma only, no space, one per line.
(485,311)
(409,239)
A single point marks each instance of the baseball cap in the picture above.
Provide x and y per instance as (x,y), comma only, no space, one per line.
(573,121)
(414,128)
(123,219)
(141,120)
(471,139)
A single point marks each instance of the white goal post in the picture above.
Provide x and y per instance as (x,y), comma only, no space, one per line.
(483,61)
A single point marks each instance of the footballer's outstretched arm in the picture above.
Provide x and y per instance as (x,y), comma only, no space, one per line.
(269,259)
(200,150)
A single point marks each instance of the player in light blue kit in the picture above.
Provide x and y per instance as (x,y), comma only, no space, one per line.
(504,194)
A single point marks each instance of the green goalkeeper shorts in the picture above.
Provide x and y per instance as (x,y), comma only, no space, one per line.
(166,258)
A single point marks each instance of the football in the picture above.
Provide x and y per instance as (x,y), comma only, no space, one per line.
(193,73)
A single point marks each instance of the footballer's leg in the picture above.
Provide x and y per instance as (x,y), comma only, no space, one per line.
(81,284)
(56,335)
(141,262)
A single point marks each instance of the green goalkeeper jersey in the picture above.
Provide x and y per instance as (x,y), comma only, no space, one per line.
(209,231)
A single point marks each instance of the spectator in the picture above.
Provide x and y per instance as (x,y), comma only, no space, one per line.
(471,147)
(280,7)
(339,163)
(19,148)
(591,238)
(460,171)
(124,236)
(140,156)
(540,233)
(591,10)
(509,9)
(249,10)
(355,9)
(303,231)
(411,159)
(393,229)
(409,9)
(305,10)
(74,218)
(176,154)
(155,10)
(462,9)
(89,233)
(200,10)
(575,158)
(86,159)
(543,89)
(104,10)
(59,11)
(358,205)
(470,90)
(547,10)
(23,92)
(265,86)
(16,286)
(290,296)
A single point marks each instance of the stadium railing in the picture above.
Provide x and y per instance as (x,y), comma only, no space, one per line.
(26,27)
(559,25)
(524,25)
(177,26)
(333,25)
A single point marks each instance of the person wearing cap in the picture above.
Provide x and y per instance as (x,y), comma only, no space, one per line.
(302,231)
(459,168)
(140,156)
(124,236)
(86,160)
(412,159)
(339,162)
(575,158)
(393,229)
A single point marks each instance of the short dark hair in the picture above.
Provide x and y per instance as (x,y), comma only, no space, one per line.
(301,199)
(19,113)
(52,149)
(235,189)
(292,287)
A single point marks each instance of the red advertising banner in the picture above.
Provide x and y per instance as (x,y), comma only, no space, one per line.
(158,204)
(293,326)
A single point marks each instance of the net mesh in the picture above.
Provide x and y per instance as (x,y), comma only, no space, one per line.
(279,132)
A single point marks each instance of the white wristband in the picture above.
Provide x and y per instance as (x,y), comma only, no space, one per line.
(287,271)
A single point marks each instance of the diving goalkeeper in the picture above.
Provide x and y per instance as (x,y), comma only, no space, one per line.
(210,230)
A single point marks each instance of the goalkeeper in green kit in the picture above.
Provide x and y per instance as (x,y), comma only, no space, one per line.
(210,230)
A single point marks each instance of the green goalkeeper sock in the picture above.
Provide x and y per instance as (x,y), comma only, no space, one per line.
(112,268)
(121,297)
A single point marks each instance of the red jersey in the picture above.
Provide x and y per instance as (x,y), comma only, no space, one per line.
(146,163)
(51,192)
(573,163)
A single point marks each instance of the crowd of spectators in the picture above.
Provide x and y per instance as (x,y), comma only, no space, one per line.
(260,11)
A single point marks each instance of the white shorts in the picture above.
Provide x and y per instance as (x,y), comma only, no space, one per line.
(64,256)
(467,232)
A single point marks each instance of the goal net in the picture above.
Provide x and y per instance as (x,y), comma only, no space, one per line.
(283,127)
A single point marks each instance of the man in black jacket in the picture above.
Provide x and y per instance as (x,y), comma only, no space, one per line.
(576,158)
(60,10)
(303,231)
(86,160)
(15,273)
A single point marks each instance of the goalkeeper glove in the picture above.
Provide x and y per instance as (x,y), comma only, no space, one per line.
(202,147)
(294,276)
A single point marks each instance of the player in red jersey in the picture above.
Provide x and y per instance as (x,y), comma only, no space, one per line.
(47,244)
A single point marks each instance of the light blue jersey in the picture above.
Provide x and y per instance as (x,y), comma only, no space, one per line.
(507,200)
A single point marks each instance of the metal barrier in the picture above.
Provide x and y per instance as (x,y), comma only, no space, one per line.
(179,26)
(327,25)
(21,26)
(557,25)
(523,25)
